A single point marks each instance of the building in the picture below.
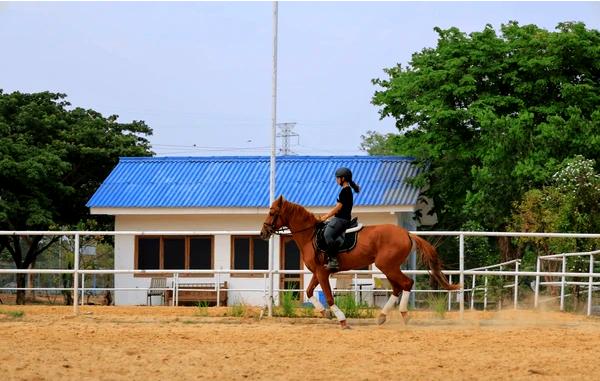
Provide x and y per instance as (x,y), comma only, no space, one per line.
(232,194)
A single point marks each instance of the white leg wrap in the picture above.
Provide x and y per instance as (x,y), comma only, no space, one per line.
(338,313)
(391,303)
(404,301)
(315,302)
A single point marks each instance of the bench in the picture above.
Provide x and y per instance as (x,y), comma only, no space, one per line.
(194,293)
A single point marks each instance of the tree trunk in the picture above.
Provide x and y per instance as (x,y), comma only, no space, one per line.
(508,251)
(21,282)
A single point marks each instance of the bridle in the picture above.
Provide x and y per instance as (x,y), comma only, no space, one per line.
(271,229)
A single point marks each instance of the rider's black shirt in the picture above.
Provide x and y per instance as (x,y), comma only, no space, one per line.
(346,199)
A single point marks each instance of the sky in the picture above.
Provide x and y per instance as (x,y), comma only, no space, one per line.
(200,73)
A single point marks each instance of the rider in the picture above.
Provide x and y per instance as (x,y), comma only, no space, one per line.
(341,213)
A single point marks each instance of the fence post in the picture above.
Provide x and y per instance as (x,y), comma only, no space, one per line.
(449,294)
(461,260)
(176,294)
(473,294)
(562,284)
(218,286)
(590,286)
(536,293)
(499,306)
(485,291)
(271,275)
(82,288)
(516,290)
(76,276)
(173,292)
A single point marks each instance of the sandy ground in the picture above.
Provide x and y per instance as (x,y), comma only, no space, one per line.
(164,343)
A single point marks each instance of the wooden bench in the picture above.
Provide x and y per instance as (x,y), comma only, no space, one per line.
(194,293)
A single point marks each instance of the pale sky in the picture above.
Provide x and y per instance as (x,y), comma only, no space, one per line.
(199,73)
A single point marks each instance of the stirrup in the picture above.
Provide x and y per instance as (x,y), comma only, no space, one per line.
(332,264)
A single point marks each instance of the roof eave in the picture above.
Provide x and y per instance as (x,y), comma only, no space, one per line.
(238,211)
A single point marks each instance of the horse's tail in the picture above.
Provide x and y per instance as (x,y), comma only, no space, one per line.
(428,256)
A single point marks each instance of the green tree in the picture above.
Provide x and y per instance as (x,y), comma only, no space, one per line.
(570,203)
(52,158)
(491,115)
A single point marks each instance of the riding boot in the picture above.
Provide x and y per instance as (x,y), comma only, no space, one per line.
(332,261)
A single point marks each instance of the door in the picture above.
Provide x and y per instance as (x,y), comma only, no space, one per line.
(291,260)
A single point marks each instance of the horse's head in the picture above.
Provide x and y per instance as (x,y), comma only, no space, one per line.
(273,222)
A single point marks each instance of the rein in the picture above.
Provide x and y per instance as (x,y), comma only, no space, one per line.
(271,227)
(280,231)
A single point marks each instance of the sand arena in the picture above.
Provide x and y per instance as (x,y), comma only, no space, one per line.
(159,343)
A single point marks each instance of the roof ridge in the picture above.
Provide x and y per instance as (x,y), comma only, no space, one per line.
(261,158)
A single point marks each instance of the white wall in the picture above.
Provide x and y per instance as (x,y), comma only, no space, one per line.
(124,251)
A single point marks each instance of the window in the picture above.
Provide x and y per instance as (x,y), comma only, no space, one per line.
(174,253)
(249,253)
(201,253)
(148,253)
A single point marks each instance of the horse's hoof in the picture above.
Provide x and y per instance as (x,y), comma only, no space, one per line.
(323,314)
(381,319)
(405,317)
(345,325)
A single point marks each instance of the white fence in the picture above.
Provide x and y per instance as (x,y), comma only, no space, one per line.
(269,290)
(563,282)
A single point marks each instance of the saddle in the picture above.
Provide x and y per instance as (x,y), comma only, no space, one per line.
(350,236)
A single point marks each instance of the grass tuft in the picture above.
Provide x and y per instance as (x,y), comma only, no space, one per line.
(14,314)
(287,304)
(202,309)
(438,303)
(238,310)
(351,309)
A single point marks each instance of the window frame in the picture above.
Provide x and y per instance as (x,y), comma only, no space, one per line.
(250,260)
(161,254)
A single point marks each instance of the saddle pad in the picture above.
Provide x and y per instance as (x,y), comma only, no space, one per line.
(350,239)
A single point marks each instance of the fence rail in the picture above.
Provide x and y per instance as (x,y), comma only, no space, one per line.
(77,273)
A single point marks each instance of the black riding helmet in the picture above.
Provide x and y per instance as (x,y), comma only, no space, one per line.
(345,173)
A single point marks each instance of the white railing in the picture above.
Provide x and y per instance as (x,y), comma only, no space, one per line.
(515,285)
(563,282)
(461,272)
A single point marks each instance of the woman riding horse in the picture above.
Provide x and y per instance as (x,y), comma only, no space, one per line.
(385,245)
(340,215)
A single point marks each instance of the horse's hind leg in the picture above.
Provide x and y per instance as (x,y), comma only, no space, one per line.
(314,281)
(400,283)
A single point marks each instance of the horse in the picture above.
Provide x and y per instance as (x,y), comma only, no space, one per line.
(386,245)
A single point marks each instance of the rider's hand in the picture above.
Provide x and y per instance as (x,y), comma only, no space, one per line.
(323,218)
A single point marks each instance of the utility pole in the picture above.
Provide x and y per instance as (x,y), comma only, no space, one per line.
(286,132)
(272,163)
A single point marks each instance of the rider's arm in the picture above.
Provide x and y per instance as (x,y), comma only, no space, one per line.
(332,212)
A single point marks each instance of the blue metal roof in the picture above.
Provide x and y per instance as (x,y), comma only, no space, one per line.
(243,181)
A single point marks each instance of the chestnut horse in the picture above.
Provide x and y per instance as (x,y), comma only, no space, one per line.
(386,245)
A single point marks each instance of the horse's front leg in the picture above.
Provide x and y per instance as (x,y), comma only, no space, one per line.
(314,281)
(323,277)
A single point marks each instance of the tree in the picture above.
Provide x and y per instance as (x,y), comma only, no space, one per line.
(570,203)
(490,116)
(52,159)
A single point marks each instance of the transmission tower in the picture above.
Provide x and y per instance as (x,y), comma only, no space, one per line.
(286,132)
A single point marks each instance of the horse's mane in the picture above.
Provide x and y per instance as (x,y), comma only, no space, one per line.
(298,210)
